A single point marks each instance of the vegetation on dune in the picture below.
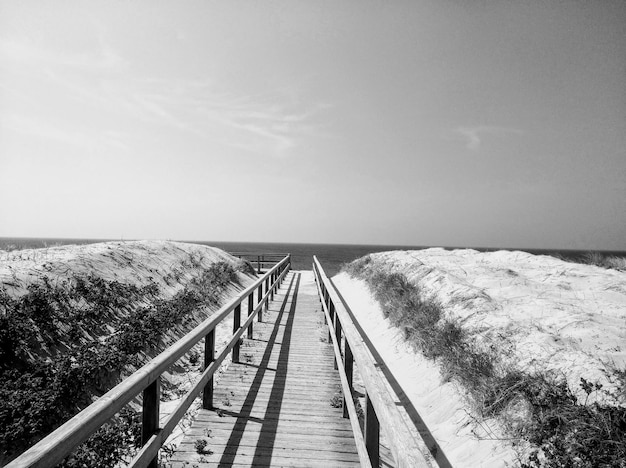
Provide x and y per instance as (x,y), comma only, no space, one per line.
(64,343)
(604,261)
(565,433)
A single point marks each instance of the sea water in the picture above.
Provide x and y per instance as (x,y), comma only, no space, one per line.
(331,256)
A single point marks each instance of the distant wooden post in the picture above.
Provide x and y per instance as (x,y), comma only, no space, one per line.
(337,329)
(372,432)
(236,325)
(348,364)
(209,357)
(150,414)
(258,264)
(260,298)
(332,318)
(250,309)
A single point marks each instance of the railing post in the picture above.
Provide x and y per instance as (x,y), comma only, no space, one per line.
(236,325)
(372,432)
(348,363)
(335,319)
(273,276)
(250,308)
(267,288)
(260,298)
(150,414)
(258,264)
(209,357)
(332,319)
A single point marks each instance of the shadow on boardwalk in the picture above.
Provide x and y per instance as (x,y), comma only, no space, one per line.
(273,408)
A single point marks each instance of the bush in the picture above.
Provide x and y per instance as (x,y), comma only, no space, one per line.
(37,396)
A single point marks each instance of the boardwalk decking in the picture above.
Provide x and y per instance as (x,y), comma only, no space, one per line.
(274,407)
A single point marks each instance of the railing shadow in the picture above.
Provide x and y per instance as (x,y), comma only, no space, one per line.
(268,428)
(416,419)
(267,437)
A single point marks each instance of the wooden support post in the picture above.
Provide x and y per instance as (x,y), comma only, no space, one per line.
(372,432)
(332,320)
(267,288)
(348,364)
(260,298)
(337,329)
(150,414)
(250,309)
(209,357)
(273,276)
(236,325)
(258,264)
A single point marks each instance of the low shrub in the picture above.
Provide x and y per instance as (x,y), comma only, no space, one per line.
(37,395)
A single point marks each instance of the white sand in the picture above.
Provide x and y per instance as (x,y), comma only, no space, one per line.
(538,312)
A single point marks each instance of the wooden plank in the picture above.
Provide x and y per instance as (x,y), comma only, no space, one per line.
(407,446)
(275,409)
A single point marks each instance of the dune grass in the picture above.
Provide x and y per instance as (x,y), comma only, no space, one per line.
(64,343)
(538,408)
(604,261)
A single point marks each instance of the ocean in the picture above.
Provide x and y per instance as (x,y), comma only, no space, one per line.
(331,256)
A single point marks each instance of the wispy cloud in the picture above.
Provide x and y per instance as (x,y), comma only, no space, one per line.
(475,135)
(108,89)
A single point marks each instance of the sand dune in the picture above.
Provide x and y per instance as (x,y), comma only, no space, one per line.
(539,313)
(171,266)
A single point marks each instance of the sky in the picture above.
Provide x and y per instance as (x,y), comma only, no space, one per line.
(433,123)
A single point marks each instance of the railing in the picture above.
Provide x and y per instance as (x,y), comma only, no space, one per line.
(262,260)
(382,408)
(60,443)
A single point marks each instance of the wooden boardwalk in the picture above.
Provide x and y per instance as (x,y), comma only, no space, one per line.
(274,407)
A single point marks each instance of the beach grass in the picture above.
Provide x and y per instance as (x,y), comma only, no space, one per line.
(537,408)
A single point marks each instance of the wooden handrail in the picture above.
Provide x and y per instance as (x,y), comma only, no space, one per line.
(383,408)
(260,258)
(345,376)
(60,443)
(266,254)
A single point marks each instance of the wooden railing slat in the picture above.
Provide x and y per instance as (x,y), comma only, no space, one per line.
(346,387)
(57,445)
(407,447)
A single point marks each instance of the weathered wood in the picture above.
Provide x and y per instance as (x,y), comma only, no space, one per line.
(250,307)
(209,357)
(337,330)
(150,415)
(274,407)
(407,446)
(348,364)
(347,404)
(150,450)
(372,432)
(56,446)
(260,299)
(236,325)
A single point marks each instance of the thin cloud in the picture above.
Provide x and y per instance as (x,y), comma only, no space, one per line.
(474,135)
(104,85)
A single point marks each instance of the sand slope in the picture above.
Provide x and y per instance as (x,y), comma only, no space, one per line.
(538,312)
(169,265)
